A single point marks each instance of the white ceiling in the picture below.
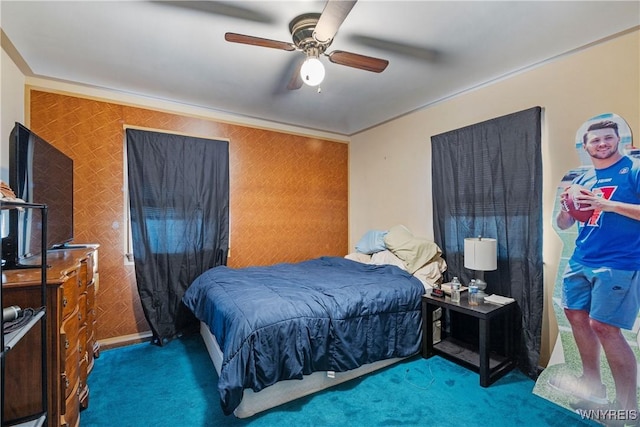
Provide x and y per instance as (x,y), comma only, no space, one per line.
(178,52)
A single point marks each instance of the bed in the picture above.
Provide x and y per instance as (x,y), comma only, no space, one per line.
(276,333)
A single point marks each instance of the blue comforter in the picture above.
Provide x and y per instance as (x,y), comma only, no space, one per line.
(288,320)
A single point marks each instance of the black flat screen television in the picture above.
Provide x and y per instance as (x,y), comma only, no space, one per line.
(38,173)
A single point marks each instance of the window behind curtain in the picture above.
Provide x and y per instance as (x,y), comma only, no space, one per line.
(487,180)
(179,208)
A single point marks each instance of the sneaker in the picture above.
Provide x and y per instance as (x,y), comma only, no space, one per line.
(578,387)
(622,418)
(621,423)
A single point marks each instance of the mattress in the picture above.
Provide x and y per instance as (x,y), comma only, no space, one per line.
(287,390)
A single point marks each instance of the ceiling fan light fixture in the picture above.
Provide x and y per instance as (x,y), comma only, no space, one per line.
(312,34)
(312,71)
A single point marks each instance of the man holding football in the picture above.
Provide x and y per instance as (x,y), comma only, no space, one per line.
(601,284)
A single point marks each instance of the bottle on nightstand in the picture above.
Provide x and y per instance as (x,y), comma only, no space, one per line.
(474,298)
(455,290)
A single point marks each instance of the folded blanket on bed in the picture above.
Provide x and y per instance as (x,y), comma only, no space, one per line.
(288,320)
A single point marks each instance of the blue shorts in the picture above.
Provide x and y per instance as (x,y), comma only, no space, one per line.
(609,296)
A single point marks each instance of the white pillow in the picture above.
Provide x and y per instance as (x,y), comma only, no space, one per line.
(387,257)
(359,257)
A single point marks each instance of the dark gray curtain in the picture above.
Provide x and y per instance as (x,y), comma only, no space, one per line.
(179,204)
(487,180)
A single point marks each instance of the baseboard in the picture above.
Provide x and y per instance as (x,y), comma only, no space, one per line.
(125,340)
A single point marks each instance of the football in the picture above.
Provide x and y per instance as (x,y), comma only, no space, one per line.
(573,207)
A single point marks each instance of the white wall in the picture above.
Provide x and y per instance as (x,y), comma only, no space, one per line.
(390,165)
(11,111)
(11,107)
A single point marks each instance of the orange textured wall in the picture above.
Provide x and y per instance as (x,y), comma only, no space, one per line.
(288,192)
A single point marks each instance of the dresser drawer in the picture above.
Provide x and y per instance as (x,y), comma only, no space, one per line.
(70,294)
(70,377)
(82,278)
(91,268)
(83,390)
(82,352)
(91,295)
(71,411)
(69,334)
(70,352)
(82,309)
(90,354)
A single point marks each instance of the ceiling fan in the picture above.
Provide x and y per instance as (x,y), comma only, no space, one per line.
(312,33)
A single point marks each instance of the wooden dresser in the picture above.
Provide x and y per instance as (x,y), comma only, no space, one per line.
(72,282)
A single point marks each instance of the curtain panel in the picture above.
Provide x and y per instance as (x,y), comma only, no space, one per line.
(487,181)
(179,207)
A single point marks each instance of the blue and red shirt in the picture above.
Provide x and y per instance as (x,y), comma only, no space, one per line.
(609,239)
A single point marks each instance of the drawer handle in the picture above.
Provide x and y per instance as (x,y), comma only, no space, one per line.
(66,344)
(79,283)
(79,316)
(66,383)
(64,301)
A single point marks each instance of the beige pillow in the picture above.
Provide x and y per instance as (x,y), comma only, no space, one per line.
(431,273)
(413,251)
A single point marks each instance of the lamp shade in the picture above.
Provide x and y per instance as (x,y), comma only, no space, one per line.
(480,254)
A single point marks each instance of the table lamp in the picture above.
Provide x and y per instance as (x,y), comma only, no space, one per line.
(480,254)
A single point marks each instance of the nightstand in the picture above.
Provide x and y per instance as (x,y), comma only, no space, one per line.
(490,365)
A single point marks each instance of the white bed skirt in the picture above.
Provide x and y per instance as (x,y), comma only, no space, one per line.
(288,390)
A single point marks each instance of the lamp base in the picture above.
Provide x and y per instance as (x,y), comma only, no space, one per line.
(481,284)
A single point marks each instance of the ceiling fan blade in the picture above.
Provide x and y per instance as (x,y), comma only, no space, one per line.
(289,79)
(355,60)
(220,8)
(406,49)
(258,41)
(333,15)
(295,82)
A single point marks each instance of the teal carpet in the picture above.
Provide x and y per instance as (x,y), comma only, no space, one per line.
(175,385)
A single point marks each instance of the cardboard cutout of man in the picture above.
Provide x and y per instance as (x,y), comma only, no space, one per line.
(600,281)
